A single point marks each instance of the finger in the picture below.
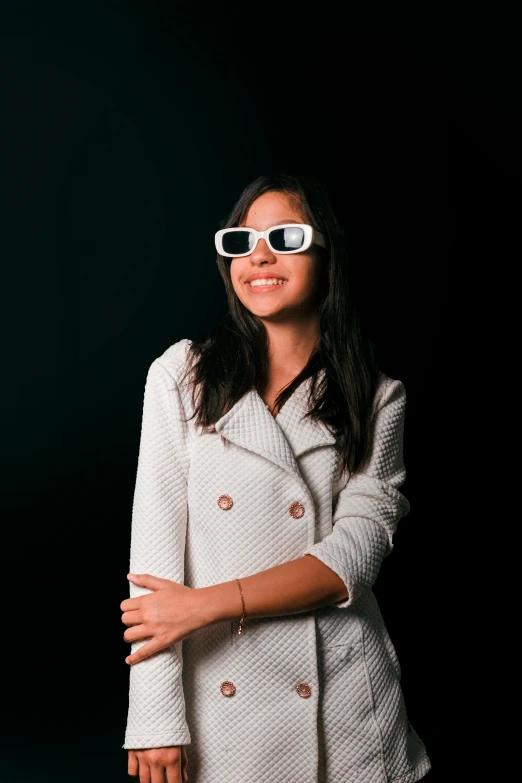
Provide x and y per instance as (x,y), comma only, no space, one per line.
(132,763)
(136,633)
(131,618)
(184,763)
(174,774)
(144,652)
(158,773)
(130,604)
(144,771)
(147,580)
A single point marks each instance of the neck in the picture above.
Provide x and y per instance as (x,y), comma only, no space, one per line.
(290,345)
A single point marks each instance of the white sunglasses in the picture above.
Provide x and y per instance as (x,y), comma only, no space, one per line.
(283,239)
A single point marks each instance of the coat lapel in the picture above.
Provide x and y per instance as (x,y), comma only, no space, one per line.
(250,424)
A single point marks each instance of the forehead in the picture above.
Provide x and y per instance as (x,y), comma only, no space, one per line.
(273,208)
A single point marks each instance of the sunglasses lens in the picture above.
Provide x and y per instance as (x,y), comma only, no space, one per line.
(285,239)
(238,242)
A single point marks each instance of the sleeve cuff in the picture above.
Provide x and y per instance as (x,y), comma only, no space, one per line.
(322,554)
(165,739)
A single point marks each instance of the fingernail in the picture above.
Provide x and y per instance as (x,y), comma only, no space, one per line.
(132,576)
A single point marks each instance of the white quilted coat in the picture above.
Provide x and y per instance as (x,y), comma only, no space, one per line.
(353,724)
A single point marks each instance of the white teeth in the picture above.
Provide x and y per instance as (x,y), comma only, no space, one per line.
(267,281)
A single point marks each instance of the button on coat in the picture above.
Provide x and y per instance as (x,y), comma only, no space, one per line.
(225,502)
(227,688)
(297,510)
(304,690)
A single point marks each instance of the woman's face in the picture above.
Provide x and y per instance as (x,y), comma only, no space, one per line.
(297,295)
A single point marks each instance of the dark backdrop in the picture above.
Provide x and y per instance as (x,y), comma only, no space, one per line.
(128,130)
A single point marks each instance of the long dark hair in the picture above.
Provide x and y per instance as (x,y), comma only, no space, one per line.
(233,359)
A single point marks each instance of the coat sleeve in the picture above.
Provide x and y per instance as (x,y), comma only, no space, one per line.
(370,505)
(156,713)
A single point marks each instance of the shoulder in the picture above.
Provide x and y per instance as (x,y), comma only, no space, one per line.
(389,390)
(171,371)
(174,360)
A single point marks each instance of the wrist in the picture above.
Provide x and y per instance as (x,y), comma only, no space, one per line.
(220,602)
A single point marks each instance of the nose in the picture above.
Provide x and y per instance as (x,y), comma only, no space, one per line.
(262,254)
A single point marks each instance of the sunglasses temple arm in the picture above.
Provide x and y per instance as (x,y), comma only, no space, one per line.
(318,238)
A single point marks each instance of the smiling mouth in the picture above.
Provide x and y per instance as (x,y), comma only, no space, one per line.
(266,282)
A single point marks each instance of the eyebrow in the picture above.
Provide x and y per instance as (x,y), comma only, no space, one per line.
(282,223)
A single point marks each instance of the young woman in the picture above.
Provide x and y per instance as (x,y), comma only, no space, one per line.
(266,499)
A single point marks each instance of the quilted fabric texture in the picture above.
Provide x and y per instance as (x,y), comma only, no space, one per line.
(351,722)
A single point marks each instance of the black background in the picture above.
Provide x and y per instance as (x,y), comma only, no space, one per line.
(128,129)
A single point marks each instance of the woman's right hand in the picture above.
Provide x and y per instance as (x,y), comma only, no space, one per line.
(159,765)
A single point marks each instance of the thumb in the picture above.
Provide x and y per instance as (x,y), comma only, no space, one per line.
(147,580)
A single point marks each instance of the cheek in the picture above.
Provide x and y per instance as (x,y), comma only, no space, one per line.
(306,278)
(236,276)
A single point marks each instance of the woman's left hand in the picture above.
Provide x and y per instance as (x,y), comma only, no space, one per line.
(170,613)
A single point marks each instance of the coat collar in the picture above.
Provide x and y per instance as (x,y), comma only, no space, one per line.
(250,424)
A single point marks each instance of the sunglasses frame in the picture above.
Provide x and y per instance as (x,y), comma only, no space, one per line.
(310,236)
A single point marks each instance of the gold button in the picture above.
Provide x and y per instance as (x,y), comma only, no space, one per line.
(297,510)
(303,689)
(227,688)
(225,502)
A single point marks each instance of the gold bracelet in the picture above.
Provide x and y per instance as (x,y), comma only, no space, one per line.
(240,624)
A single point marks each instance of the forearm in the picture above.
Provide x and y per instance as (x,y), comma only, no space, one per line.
(297,586)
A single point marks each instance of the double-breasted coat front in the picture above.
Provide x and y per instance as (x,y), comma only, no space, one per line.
(313,697)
